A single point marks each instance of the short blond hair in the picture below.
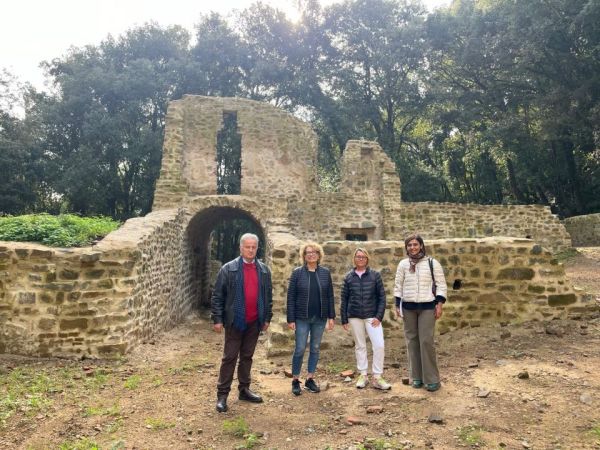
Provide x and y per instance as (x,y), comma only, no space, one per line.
(314,245)
(362,250)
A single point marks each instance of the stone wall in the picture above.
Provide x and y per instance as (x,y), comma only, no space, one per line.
(584,230)
(278,150)
(95,301)
(452,220)
(489,280)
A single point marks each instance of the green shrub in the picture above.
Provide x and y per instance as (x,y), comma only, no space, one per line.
(65,230)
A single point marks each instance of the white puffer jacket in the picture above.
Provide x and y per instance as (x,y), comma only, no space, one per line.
(416,286)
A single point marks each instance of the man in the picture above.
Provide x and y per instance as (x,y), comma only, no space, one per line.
(242,304)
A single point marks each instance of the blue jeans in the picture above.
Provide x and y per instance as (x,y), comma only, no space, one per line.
(315,327)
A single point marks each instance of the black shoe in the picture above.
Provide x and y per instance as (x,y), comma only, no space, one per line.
(247,395)
(296,387)
(311,386)
(222,404)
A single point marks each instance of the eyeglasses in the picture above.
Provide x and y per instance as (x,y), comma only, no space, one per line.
(360,257)
(311,253)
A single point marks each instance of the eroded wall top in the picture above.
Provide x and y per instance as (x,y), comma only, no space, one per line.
(278,151)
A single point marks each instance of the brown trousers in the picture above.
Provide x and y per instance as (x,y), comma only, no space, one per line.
(242,344)
(419,326)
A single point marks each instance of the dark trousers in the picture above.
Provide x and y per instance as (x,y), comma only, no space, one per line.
(242,344)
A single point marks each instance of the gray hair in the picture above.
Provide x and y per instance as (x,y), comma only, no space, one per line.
(246,236)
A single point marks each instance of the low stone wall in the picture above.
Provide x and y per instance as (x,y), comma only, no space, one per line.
(453,220)
(501,279)
(94,301)
(584,230)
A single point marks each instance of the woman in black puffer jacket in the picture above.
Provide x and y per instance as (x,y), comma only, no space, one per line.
(363,306)
(310,308)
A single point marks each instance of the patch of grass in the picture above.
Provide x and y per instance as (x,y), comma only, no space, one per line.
(236,427)
(157,381)
(336,367)
(26,390)
(470,435)
(81,444)
(96,381)
(251,440)
(65,230)
(595,431)
(115,426)
(158,424)
(112,411)
(133,382)
(186,367)
(567,254)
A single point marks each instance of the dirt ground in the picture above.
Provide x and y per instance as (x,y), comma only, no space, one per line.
(532,386)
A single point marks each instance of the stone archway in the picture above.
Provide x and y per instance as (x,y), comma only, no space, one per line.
(199,232)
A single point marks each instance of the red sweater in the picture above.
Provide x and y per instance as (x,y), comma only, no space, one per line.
(251,291)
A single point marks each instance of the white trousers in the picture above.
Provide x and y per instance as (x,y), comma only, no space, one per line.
(360,328)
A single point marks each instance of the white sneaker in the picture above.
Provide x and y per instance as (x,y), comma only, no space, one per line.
(380,383)
(362,381)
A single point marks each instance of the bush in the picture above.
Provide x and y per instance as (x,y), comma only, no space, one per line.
(65,230)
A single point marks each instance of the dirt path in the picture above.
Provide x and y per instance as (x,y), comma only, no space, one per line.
(529,386)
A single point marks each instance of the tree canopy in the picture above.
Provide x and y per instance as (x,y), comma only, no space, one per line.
(483,101)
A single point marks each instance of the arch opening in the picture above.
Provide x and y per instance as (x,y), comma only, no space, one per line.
(213,236)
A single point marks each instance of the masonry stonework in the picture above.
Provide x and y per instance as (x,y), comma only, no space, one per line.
(153,271)
(584,230)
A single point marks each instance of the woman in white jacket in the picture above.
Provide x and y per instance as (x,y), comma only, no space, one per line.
(420,290)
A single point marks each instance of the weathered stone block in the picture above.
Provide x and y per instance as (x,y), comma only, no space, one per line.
(26,298)
(516,273)
(46,324)
(74,324)
(69,274)
(561,299)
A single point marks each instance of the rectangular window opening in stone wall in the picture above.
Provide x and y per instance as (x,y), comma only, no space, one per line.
(358,234)
(229,156)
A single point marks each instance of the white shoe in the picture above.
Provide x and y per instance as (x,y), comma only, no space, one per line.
(380,383)
(362,381)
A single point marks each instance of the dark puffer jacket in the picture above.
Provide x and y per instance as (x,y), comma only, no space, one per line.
(363,297)
(299,288)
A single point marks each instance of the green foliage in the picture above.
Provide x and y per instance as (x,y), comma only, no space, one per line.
(335,367)
(157,424)
(237,427)
(470,435)
(65,230)
(81,444)
(486,102)
(133,382)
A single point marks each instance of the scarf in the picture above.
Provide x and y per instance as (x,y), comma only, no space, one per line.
(414,260)
(239,302)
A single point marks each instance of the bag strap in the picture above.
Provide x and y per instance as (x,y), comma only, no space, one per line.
(433,286)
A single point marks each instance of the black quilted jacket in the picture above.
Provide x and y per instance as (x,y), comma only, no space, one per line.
(297,295)
(363,297)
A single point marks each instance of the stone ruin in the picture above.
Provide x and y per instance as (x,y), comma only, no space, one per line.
(155,270)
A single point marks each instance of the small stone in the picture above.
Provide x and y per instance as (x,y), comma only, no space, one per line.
(374,409)
(324,385)
(405,381)
(473,365)
(344,431)
(554,330)
(505,334)
(435,418)
(347,380)
(347,373)
(265,371)
(483,393)
(585,398)
(288,373)
(353,420)
(395,365)
(501,362)
(523,375)
(526,444)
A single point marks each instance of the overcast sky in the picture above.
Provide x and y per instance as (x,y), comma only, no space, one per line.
(32,31)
